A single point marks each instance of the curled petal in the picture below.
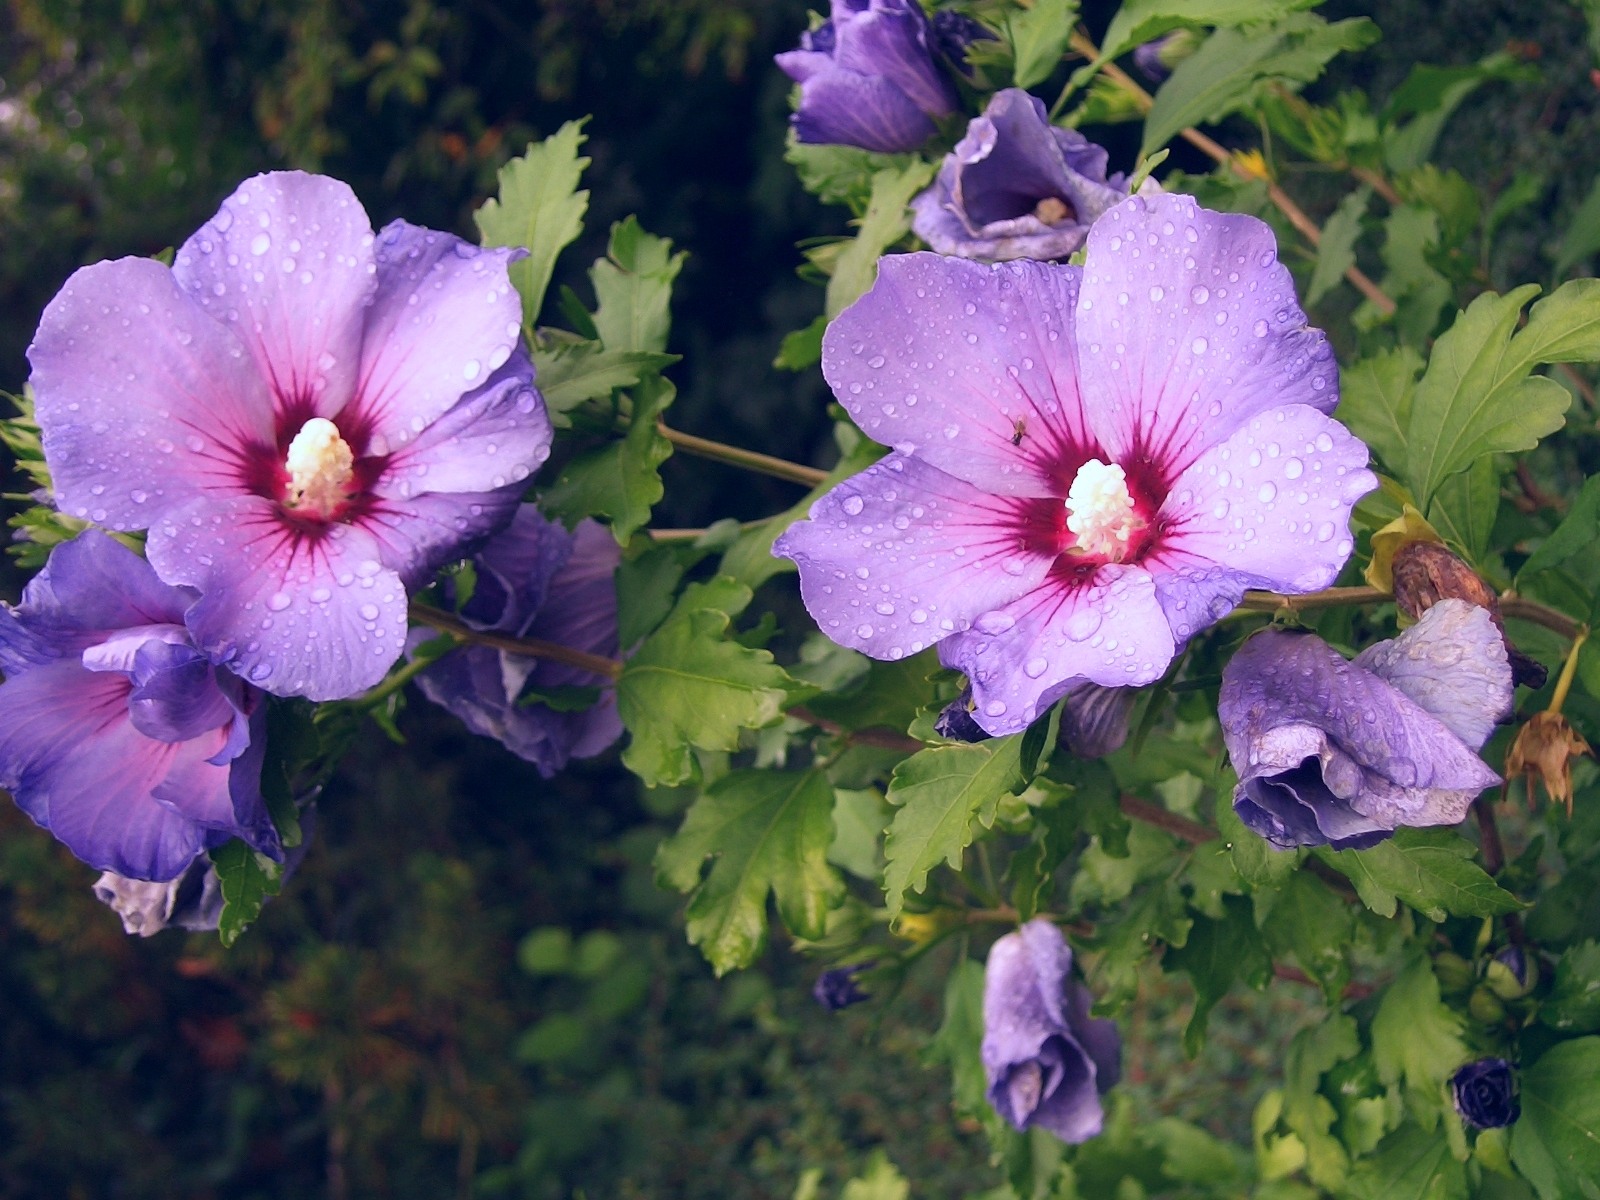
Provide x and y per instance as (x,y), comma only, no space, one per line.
(845,108)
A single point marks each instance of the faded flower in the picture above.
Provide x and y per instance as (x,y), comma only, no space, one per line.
(1543,751)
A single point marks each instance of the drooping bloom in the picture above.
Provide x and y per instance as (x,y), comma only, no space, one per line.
(536,580)
(1094,720)
(1090,465)
(118,735)
(868,77)
(1047,1061)
(1341,753)
(192,901)
(308,420)
(1016,187)
(1485,1093)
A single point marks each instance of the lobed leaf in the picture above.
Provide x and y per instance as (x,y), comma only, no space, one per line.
(1430,869)
(633,288)
(1039,37)
(1556,1142)
(883,224)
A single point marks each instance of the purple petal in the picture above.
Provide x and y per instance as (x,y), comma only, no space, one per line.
(287,264)
(444,319)
(1094,720)
(94,584)
(902,555)
(843,108)
(1453,664)
(416,537)
(295,614)
(1188,327)
(1271,504)
(515,568)
(1023,657)
(175,697)
(891,39)
(969,367)
(144,399)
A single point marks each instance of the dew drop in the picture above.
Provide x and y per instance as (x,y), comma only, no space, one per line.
(853,505)
(278,601)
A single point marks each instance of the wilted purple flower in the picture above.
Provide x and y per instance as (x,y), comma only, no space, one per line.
(536,580)
(1094,720)
(192,901)
(838,988)
(308,421)
(953,33)
(1090,465)
(1485,1093)
(1047,1061)
(868,78)
(1341,753)
(1016,187)
(116,734)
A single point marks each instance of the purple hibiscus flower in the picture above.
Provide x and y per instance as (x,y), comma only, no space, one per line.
(1341,753)
(1016,187)
(1090,465)
(308,421)
(117,734)
(1047,1062)
(536,580)
(868,78)
(1485,1093)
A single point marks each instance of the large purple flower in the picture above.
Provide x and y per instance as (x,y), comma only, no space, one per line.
(1090,465)
(308,420)
(1047,1061)
(116,734)
(1341,753)
(1016,187)
(536,580)
(868,78)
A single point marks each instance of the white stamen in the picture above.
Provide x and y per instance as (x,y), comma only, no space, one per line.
(1100,510)
(320,467)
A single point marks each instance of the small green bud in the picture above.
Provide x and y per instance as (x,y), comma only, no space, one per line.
(1485,1007)
(1512,973)
(1454,972)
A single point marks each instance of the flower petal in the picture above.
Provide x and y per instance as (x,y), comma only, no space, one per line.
(844,108)
(287,264)
(1188,326)
(969,367)
(1270,505)
(144,399)
(891,39)
(1023,657)
(902,555)
(95,584)
(297,614)
(443,320)
(416,537)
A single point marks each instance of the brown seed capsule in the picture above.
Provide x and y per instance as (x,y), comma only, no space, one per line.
(1544,750)
(1426,572)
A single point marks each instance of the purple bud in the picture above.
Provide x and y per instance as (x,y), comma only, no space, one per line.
(1485,1093)
(837,988)
(956,722)
(953,32)
(1094,722)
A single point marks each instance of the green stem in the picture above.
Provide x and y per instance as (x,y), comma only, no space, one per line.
(453,626)
(391,684)
(749,460)
(1569,671)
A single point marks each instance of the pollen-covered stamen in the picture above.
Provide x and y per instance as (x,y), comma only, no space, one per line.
(320,467)
(1053,210)
(1100,510)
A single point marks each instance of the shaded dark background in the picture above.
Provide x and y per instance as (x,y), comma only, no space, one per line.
(379,1033)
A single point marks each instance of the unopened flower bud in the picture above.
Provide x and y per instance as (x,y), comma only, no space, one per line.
(1544,750)
(956,721)
(838,988)
(1485,1093)
(1512,973)
(1486,1007)
(1453,972)
(1426,572)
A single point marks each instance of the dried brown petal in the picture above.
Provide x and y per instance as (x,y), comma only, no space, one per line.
(1544,749)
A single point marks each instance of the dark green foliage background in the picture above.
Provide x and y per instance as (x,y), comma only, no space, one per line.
(374,1033)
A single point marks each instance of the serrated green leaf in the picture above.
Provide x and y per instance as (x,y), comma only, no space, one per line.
(1430,869)
(1410,1164)
(1159,916)
(645,587)
(1038,37)
(1316,927)
(540,209)
(802,348)
(1221,76)
(1573,1005)
(1337,252)
(1313,1052)
(247,880)
(883,224)
(633,289)
(1139,21)
(1416,1041)
(1579,531)
(880,1181)
(766,831)
(688,685)
(1216,954)
(940,792)
(568,373)
(839,174)
(1375,402)
(859,818)
(1254,858)
(1582,239)
(888,695)
(1556,1142)
(1430,95)
(621,479)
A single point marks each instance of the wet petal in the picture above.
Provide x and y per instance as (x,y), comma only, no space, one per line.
(95,584)
(287,265)
(844,108)
(1188,326)
(903,555)
(175,696)
(416,537)
(891,39)
(969,367)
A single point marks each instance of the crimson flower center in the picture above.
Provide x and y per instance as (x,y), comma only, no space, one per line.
(320,466)
(1100,511)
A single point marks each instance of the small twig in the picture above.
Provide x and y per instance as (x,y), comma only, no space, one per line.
(691,535)
(1181,828)
(1337,597)
(763,464)
(446,623)
(1378,184)
(1531,611)
(1494,851)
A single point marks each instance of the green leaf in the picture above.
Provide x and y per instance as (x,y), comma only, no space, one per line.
(1313,1052)
(1254,858)
(888,695)
(633,288)
(1579,531)
(688,685)
(1416,1041)
(839,174)
(1215,955)
(1466,505)
(1574,1002)
(1430,95)
(1139,21)
(1337,253)
(1556,1143)
(1221,77)
(880,1181)
(1430,869)
(1410,239)
(568,373)
(1410,1164)
(882,226)
(247,879)
(540,209)
(1582,239)
(767,831)
(940,792)
(802,348)
(621,479)
(1315,926)
(1038,37)
(1156,917)
(859,817)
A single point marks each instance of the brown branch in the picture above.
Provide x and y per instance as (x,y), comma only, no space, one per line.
(763,464)
(453,626)
(1494,851)
(1181,828)
(1531,611)
(1278,604)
